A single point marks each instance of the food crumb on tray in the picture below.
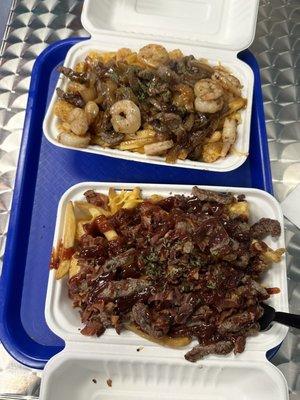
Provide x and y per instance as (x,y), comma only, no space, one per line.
(109,382)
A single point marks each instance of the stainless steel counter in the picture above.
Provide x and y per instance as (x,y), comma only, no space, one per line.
(34,24)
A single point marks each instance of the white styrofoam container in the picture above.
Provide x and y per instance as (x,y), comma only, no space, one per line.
(163,369)
(212,29)
(142,378)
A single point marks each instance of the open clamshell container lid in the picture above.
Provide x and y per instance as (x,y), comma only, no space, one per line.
(140,369)
(219,24)
(213,29)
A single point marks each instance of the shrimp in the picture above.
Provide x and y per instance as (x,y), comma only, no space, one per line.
(153,55)
(228,135)
(125,116)
(91,110)
(69,139)
(122,54)
(78,122)
(175,54)
(87,93)
(227,81)
(208,96)
(207,90)
(211,106)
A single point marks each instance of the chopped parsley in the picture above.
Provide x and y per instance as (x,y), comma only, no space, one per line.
(211,285)
(113,75)
(153,268)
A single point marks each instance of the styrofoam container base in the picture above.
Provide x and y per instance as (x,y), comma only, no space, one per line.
(84,377)
(213,29)
(86,356)
(240,69)
(65,321)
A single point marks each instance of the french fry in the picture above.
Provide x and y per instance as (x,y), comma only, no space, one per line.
(107,56)
(62,110)
(91,209)
(112,193)
(139,150)
(215,137)
(133,198)
(182,155)
(74,267)
(237,104)
(158,147)
(79,229)
(125,199)
(146,133)
(166,341)
(237,116)
(175,54)
(69,229)
(135,193)
(129,204)
(155,198)
(239,209)
(132,59)
(62,269)
(80,67)
(212,151)
(135,143)
(267,254)
(95,55)
(273,256)
(68,239)
(103,56)
(99,142)
(111,235)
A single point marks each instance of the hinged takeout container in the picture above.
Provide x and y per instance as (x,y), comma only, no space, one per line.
(213,29)
(82,369)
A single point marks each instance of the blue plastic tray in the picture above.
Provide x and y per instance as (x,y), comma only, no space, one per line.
(46,171)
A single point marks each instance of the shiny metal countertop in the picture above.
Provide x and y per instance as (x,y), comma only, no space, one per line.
(33,24)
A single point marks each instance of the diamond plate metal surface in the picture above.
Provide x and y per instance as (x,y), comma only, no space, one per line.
(33,24)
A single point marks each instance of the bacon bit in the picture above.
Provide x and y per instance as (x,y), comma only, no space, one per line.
(274,290)
(103,224)
(195,274)
(114,319)
(66,254)
(109,382)
(54,259)
(60,254)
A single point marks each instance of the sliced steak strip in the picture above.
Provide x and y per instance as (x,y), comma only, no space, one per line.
(200,351)
(208,195)
(93,328)
(265,227)
(141,316)
(124,288)
(239,321)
